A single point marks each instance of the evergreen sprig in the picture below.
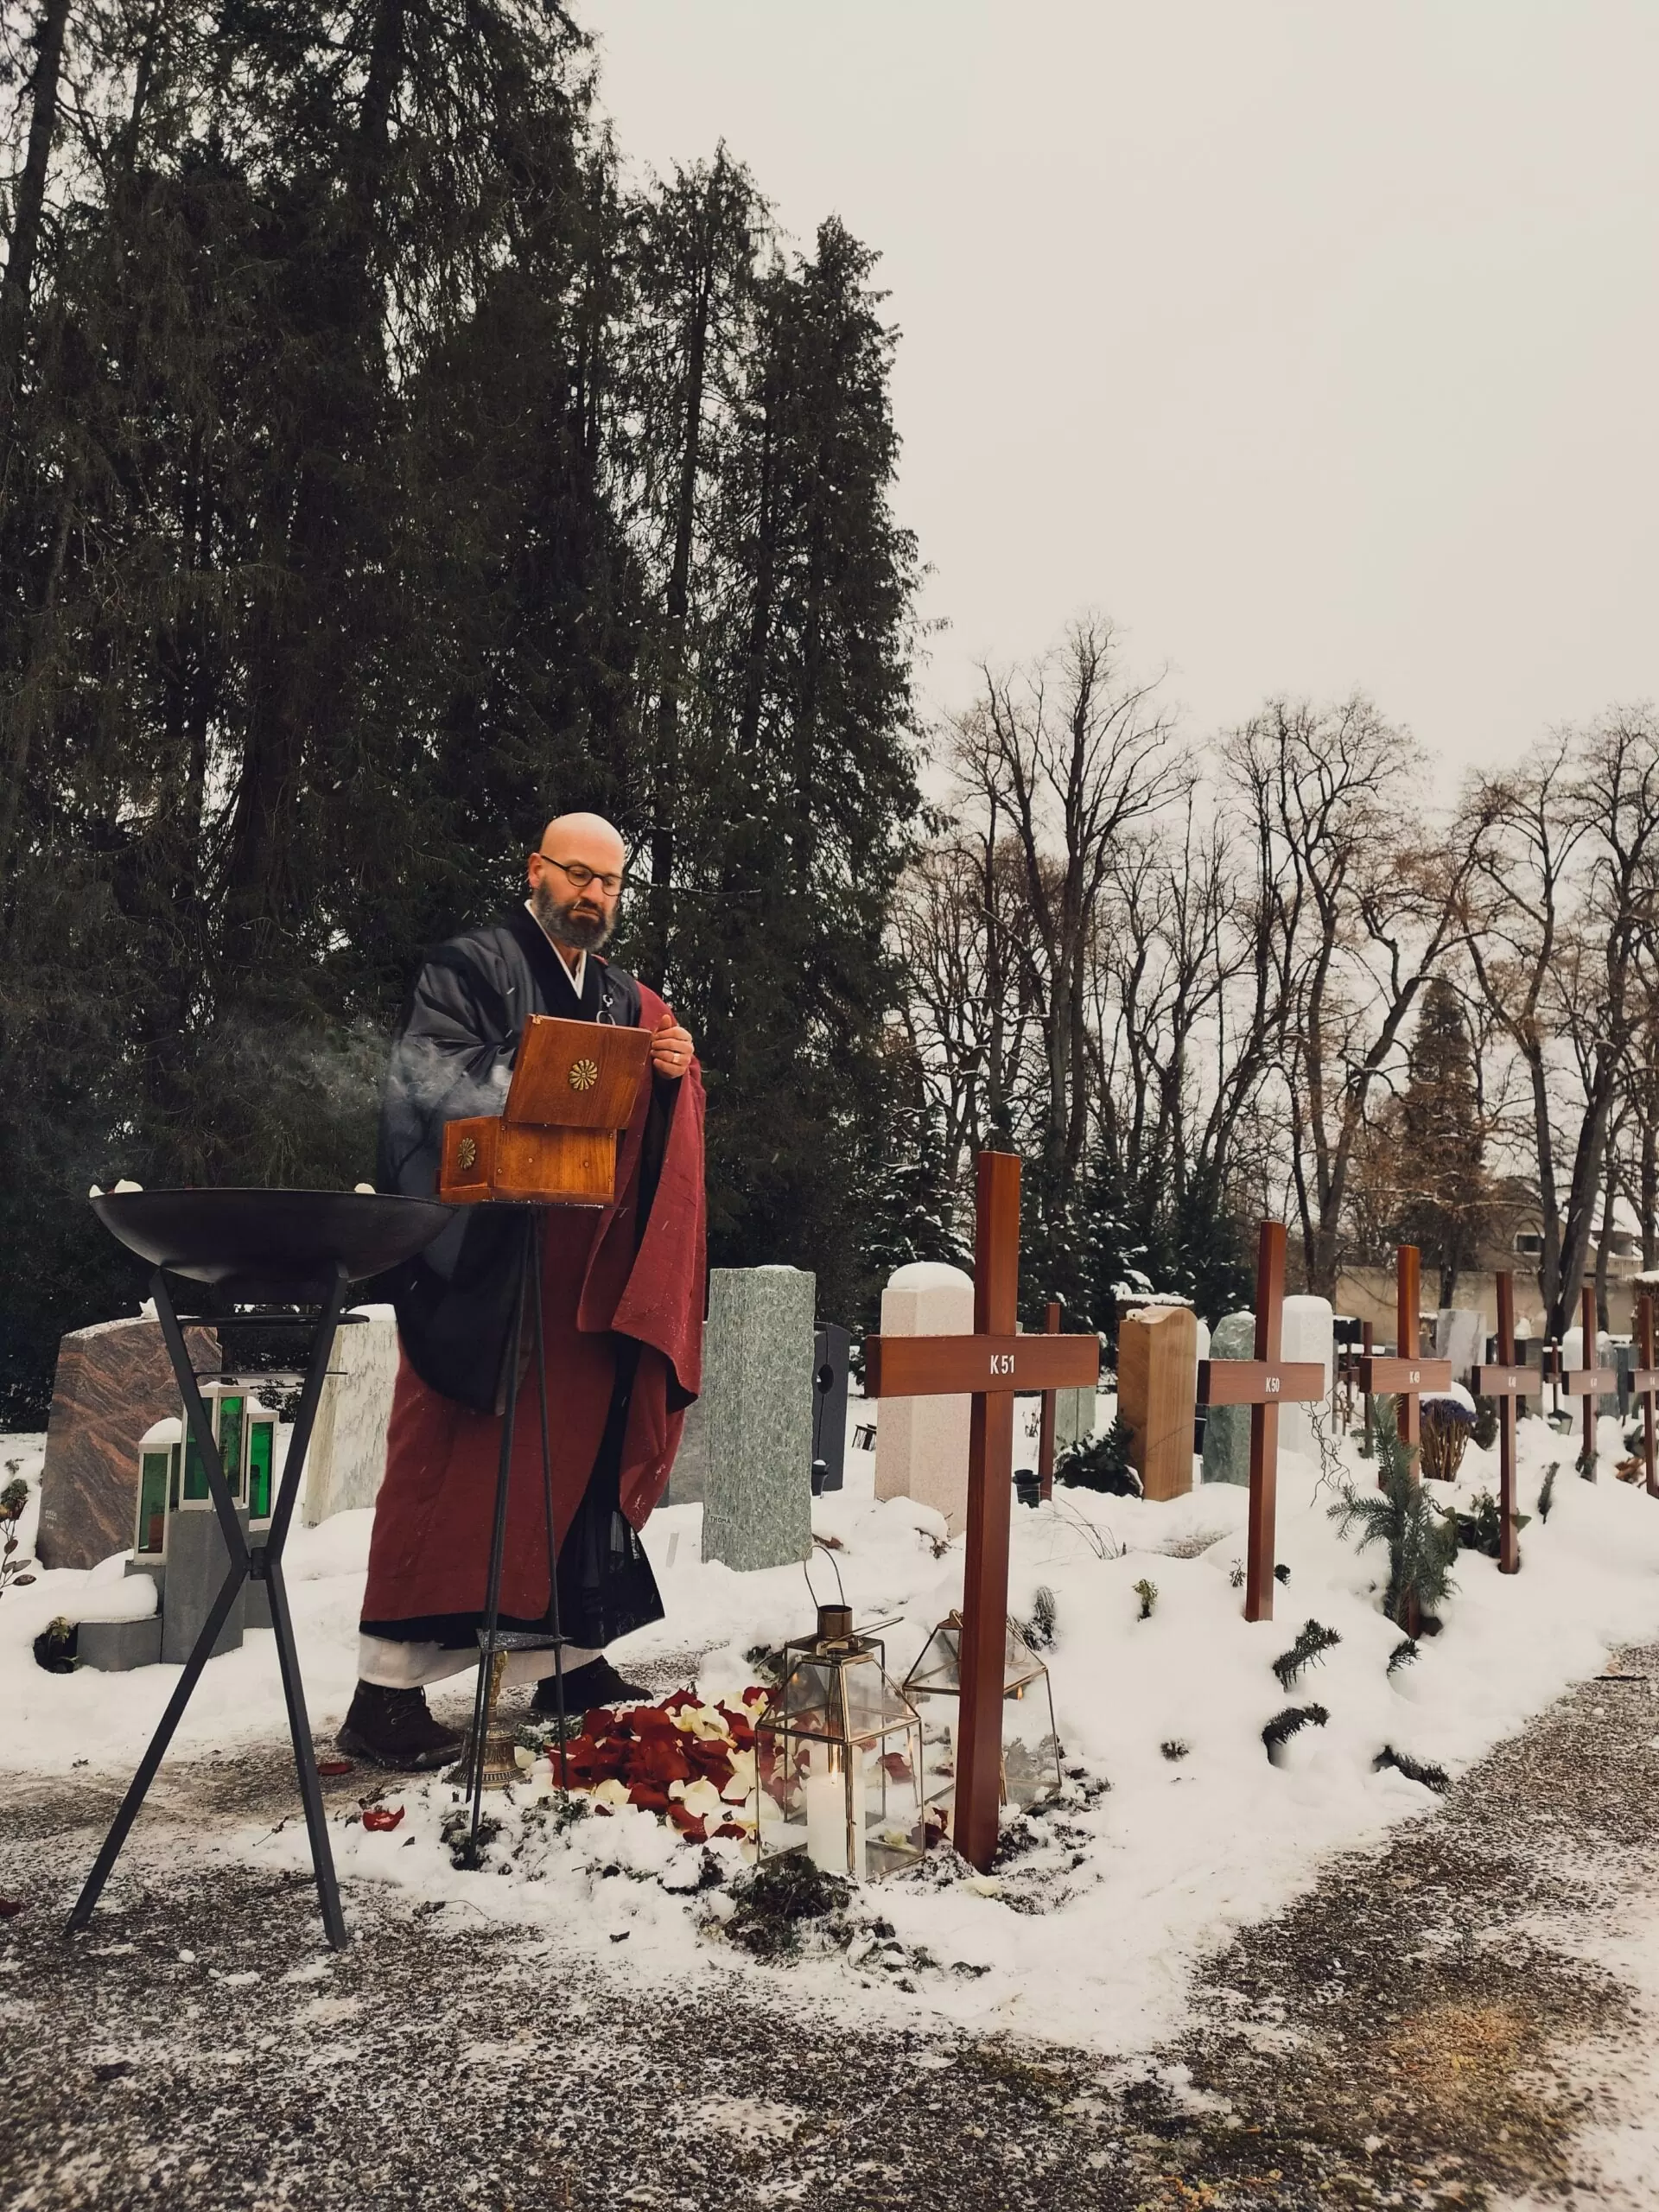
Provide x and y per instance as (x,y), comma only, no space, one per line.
(1291,1722)
(1404,1653)
(1431,1776)
(1421,1542)
(1313,1643)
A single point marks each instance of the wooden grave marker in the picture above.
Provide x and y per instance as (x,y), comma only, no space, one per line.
(1644,1386)
(1506,1382)
(991,1365)
(1588,1381)
(1405,1376)
(1263,1384)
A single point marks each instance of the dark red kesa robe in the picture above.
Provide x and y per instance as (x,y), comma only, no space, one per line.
(430,1553)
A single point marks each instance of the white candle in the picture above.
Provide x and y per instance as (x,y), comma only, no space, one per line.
(826,1819)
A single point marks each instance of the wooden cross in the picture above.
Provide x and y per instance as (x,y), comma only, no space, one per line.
(1645,1384)
(1263,1384)
(1407,1375)
(1589,1382)
(1506,1382)
(992,1365)
(1045,1430)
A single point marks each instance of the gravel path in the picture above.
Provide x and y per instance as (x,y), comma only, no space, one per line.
(1410,2033)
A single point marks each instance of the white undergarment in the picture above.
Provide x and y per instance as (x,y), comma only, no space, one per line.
(395,1666)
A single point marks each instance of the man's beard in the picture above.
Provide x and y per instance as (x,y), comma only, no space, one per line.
(581,933)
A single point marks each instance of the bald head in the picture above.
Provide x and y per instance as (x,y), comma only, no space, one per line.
(575,879)
(585,837)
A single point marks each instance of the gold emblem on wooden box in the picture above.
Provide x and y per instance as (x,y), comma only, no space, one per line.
(466,1152)
(584,1074)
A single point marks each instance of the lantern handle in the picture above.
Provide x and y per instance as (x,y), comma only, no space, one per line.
(819,1545)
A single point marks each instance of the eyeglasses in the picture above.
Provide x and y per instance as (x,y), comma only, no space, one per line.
(581,877)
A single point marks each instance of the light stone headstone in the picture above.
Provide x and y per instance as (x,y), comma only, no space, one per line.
(921,1443)
(1227,1429)
(1461,1337)
(1572,1356)
(1310,1333)
(347,1463)
(757,1365)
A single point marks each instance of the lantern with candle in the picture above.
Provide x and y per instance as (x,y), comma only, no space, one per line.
(838,1757)
(1031,1746)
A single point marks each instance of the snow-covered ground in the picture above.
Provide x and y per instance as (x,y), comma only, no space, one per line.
(1092,1938)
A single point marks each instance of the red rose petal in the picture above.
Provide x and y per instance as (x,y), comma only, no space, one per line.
(381,1817)
(691,1824)
(329,1767)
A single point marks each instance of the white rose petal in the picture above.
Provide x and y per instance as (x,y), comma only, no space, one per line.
(612,1793)
(702,1798)
(521,1758)
(741,1784)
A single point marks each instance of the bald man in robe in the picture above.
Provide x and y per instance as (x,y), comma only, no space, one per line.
(622,1297)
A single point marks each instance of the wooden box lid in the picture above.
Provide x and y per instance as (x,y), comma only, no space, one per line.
(576,1075)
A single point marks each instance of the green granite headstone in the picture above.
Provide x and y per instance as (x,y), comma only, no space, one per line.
(757,1422)
(1227,1429)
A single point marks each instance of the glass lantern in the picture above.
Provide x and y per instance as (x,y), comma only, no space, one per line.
(1031,1745)
(838,1757)
(158,1489)
(227,1407)
(261,1432)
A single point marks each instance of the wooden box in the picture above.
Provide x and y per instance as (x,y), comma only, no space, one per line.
(555,1142)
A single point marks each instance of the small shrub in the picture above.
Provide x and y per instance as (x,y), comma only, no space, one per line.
(1102,1463)
(1147,1593)
(54,1647)
(772,1899)
(1431,1776)
(1291,1722)
(1404,1653)
(1546,1489)
(1486,1422)
(1281,1573)
(1236,1574)
(1421,1542)
(1313,1643)
(1038,1631)
(1483,1529)
(1173,1748)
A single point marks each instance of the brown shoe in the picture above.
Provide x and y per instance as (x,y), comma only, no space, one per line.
(393,1728)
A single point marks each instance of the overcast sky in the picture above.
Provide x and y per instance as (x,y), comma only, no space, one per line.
(1316,342)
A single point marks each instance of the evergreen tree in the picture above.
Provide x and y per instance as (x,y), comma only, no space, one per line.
(1446,1195)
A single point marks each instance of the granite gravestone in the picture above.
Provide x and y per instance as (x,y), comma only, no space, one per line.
(921,1443)
(1157,1395)
(1310,1334)
(757,1365)
(1572,1356)
(346,1461)
(113,1382)
(1461,1337)
(1227,1429)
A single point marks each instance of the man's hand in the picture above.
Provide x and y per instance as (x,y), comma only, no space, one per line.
(670,1047)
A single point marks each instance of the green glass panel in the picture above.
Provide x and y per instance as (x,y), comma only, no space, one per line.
(173,1479)
(195,1475)
(151,1537)
(260,1436)
(230,1442)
